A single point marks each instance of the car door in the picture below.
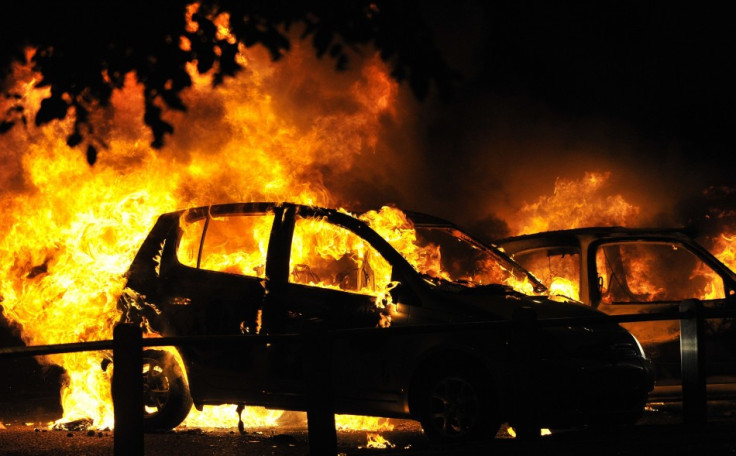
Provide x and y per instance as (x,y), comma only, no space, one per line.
(334,280)
(215,286)
(652,276)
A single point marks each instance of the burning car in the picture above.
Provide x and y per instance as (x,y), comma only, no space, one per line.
(256,269)
(624,271)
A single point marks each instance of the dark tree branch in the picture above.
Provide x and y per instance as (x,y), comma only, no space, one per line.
(84,50)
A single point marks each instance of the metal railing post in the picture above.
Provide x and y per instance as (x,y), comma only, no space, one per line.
(320,402)
(127,384)
(528,427)
(692,357)
(127,390)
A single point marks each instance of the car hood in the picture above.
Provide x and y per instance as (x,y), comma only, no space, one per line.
(500,302)
(588,336)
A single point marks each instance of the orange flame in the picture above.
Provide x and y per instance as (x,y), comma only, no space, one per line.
(654,271)
(725,249)
(377,441)
(71,231)
(576,204)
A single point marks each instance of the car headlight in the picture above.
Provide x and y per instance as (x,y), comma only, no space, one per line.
(639,347)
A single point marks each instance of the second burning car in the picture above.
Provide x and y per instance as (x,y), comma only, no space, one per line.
(642,270)
(277,268)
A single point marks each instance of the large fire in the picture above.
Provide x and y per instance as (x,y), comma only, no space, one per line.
(71,230)
(588,202)
(574,204)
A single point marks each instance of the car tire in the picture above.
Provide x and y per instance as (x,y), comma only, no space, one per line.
(457,405)
(166,398)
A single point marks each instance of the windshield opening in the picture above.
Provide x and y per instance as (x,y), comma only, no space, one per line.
(447,254)
(443,254)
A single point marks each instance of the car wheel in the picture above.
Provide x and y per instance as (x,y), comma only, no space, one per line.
(456,405)
(166,398)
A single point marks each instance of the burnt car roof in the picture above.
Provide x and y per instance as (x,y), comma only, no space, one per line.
(573,236)
(418,218)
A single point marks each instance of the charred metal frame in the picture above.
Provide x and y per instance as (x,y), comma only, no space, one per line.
(127,346)
(692,359)
(587,240)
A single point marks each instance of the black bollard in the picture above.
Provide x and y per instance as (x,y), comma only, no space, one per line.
(127,390)
(692,357)
(525,341)
(320,402)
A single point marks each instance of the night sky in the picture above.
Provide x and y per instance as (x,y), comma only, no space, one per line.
(643,90)
(640,89)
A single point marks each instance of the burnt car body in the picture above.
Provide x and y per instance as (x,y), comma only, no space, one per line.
(458,384)
(639,270)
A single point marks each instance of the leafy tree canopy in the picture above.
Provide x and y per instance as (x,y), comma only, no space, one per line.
(84,50)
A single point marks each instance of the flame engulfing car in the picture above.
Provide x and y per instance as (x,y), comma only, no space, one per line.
(279,268)
(642,270)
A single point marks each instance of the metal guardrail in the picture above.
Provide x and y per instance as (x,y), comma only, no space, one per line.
(127,346)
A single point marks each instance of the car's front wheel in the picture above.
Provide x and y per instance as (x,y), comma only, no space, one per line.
(457,405)
(166,398)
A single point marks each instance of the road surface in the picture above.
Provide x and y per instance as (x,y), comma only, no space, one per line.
(660,432)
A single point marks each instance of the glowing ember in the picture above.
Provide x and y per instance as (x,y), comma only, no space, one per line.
(344,422)
(512,432)
(377,441)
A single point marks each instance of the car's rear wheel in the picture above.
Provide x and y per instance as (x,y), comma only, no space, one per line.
(457,405)
(166,398)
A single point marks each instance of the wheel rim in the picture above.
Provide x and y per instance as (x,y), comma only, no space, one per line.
(454,407)
(155,388)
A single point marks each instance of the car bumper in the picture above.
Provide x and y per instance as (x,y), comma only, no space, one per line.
(593,391)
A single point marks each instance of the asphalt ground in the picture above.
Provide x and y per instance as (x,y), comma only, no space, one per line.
(659,432)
